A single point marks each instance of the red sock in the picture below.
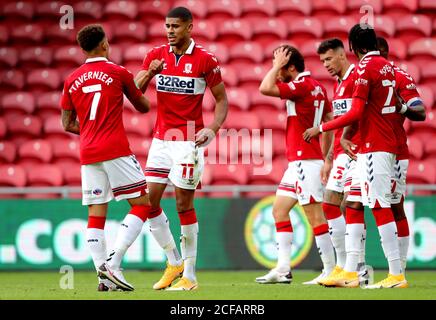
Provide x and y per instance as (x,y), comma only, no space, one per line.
(321,229)
(354,216)
(331,211)
(383,216)
(403,228)
(284,226)
(187,217)
(154,212)
(141,212)
(96,222)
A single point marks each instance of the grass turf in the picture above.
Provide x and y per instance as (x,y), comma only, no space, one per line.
(218,285)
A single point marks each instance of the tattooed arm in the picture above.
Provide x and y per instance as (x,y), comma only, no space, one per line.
(69,121)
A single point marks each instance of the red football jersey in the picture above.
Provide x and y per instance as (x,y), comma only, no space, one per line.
(375,83)
(180,89)
(95,91)
(343,92)
(406,87)
(306,106)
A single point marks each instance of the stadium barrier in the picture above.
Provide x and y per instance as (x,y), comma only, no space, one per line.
(235,234)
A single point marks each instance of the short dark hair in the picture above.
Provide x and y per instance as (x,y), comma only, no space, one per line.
(181,13)
(328,44)
(362,38)
(382,44)
(296,58)
(90,36)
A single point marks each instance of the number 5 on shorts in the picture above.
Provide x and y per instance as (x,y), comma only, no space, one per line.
(90,89)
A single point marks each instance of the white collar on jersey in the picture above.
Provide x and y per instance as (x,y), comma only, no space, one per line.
(350,68)
(190,48)
(371,53)
(96,59)
(302,74)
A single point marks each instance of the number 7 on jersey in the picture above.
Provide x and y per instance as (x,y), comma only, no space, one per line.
(90,89)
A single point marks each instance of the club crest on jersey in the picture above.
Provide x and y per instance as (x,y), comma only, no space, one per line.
(188,68)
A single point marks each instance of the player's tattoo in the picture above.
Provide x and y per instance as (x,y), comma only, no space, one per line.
(69,121)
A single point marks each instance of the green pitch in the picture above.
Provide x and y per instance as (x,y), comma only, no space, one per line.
(219,285)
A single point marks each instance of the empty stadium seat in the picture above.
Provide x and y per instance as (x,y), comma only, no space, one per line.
(21,11)
(3,128)
(49,9)
(218,49)
(421,172)
(410,27)
(8,57)
(233,31)
(68,57)
(273,120)
(48,104)
(11,80)
(43,79)
(412,69)
(223,9)
(198,8)
(229,75)
(4,34)
(121,10)
(258,8)
(136,125)
(59,36)
(238,99)
(384,25)
(53,128)
(46,175)
(338,27)
(246,51)
(329,7)
(35,151)
(354,6)
(12,176)
(423,50)
(398,8)
(204,30)
(279,146)
(304,28)
(66,150)
(36,57)
(229,174)
(8,152)
(263,104)
(157,33)
(252,76)
(291,9)
(27,33)
(154,10)
(222,149)
(129,32)
(26,127)
(136,53)
(427,125)
(88,11)
(416,148)
(72,177)
(266,30)
(242,120)
(428,73)
(397,49)
(140,148)
(18,103)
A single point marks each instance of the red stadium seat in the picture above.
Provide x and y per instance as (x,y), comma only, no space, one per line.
(47,104)
(223,9)
(219,50)
(304,28)
(121,10)
(43,79)
(66,150)
(292,9)
(157,33)
(264,104)
(204,30)
(428,6)
(384,25)
(429,148)
(36,57)
(129,32)
(137,125)
(24,127)
(223,149)
(8,152)
(428,125)
(275,120)
(397,8)
(206,179)
(428,73)
(234,31)
(27,33)
(329,7)
(252,76)
(53,128)
(198,8)
(88,11)
(35,151)
(427,96)
(71,175)
(68,57)
(136,53)
(266,30)
(258,8)
(242,120)
(4,35)
(3,128)
(8,57)
(154,10)
(238,99)
(46,175)
(397,49)
(248,51)
(338,27)
(18,103)
(255,150)
(319,72)
(116,54)
(18,11)
(421,172)
(229,174)
(309,49)
(11,80)
(58,36)
(423,50)
(410,27)
(279,146)
(12,176)
(229,75)
(49,10)
(354,6)
(416,148)
(411,69)
(140,148)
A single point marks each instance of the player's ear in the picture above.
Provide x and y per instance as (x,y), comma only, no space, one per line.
(190,26)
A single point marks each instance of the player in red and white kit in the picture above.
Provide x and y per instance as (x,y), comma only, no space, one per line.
(94,93)
(307,105)
(375,105)
(177,151)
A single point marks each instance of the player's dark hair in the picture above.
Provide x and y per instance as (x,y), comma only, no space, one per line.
(296,58)
(362,38)
(181,13)
(382,45)
(328,44)
(90,36)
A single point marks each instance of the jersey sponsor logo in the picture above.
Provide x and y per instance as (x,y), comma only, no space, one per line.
(361,81)
(180,85)
(341,107)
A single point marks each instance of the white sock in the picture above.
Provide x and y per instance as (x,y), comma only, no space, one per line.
(337,234)
(403,243)
(160,229)
(284,242)
(353,243)
(97,246)
(128,231)
(326,251)
(362,254)
(188,246)
(389,242)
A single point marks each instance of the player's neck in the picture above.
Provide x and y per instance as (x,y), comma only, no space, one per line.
(182,49)
(344,70)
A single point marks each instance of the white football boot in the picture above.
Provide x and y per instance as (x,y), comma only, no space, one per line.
(275,276)
(317,279)
(115,276)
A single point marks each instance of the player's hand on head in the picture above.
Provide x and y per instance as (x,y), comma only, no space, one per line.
(349,148)
(204,137)
(311,133)
(281,57)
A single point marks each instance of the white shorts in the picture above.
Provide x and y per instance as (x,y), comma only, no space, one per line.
(338,173)
(352,183)
(177,161)
(302,181)
(376,170)
(399,180)
(120,178)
